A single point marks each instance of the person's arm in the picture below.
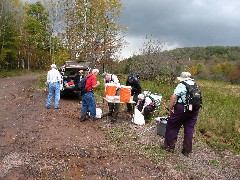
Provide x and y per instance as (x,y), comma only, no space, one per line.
(95,80)
(172,103)
(148,101)
(96,85)
(58,76)
(48,77)
(139,89)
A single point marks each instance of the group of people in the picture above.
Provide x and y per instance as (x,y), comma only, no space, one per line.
(178,116)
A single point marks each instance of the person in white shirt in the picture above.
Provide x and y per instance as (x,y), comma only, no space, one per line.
(112,78)
(53,81)
(145,106)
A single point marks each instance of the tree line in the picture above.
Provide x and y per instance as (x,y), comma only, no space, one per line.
(32,36)
(154,62)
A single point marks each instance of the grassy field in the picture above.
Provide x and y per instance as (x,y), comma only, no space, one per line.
(220,116)
(219,119)
(10,73)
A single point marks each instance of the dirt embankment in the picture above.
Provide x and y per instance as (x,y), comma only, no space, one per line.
(40,143)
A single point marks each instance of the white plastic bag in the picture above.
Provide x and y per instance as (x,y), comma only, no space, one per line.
(98,113)
(138,118)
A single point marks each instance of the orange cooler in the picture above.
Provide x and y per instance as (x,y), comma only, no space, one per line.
(110,89)
(125,94)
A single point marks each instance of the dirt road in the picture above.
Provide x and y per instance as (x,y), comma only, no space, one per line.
(40,143)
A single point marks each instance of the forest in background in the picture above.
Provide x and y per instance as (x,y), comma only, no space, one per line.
(33,36)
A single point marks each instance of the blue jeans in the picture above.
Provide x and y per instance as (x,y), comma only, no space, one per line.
(88,104)
(53,90)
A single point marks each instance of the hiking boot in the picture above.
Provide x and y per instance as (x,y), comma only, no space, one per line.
(168,149)
(93,119)
(185,153)
(113,120)
(110,114)
(81,120)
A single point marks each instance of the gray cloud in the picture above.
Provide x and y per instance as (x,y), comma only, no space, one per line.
(184,22)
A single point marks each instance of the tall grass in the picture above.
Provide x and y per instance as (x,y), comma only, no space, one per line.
(220,115)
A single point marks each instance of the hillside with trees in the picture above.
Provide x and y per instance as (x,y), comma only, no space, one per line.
(212,63)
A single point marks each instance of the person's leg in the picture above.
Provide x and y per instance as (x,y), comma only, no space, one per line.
(140,106)
(189,131)
(116,109)
(84,108)
(91,105)
(50,95)
(116,106)
(172,130)
(129,107)
(57,95)
(174,124)
(135,98)
(110,109)
(147,112)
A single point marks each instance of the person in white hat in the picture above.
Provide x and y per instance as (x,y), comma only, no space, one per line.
(179,116)
(53,81)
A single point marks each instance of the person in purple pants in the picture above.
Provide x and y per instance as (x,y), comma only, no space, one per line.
(179,117)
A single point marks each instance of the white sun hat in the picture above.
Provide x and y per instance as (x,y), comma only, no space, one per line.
(184,76)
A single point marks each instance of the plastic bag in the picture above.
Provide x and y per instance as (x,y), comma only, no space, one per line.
(138,118)
(98,113)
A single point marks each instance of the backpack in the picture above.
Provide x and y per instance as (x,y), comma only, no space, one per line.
(82,83)
(156,99)
(193,97)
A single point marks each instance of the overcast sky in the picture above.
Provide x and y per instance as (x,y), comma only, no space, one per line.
(181,23)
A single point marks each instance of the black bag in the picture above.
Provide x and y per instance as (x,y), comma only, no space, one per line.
(193,97)
(82,84)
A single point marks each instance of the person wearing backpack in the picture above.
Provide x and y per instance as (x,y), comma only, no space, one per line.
(181,115)
(133,81)
(88,99)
